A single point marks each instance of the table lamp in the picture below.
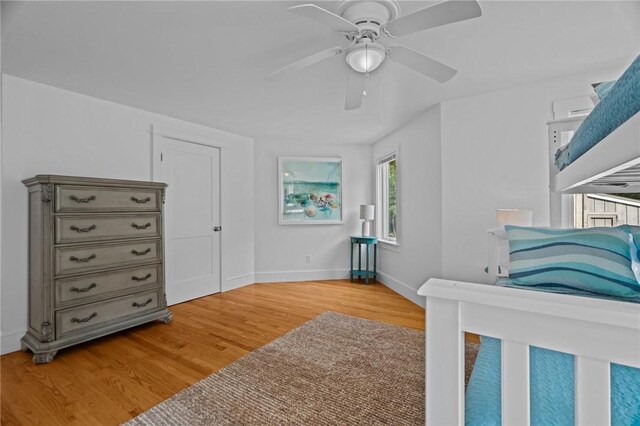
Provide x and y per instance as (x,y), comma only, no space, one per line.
(367,214)
(499,244)
(514,217)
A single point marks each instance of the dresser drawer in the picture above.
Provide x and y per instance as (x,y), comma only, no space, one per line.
(95,199)
(87,316)
(78,289)
(70,229)
(83,258)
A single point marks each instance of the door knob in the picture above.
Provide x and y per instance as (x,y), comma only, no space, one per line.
(217,228)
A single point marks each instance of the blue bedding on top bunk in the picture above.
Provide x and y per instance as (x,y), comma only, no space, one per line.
(621,103)
(552,389)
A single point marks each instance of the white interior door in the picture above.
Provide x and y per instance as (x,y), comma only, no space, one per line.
(192,217)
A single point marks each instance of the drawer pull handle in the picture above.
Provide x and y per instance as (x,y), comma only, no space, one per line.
(82,259)
(83,289)
(146,277)
(80,230)
(141,305)
(145,226)
(87,319)
(141,253)
(82,200)
(141,200)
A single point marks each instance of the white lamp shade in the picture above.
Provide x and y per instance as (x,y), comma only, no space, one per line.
(367,211)
(366,58)
(514,217)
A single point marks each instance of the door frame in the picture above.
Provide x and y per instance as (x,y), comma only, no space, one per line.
(157,133)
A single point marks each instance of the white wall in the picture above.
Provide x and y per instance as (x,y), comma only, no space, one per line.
(281,249)
(418,256)
(52,131)
(0,179)
(494,155)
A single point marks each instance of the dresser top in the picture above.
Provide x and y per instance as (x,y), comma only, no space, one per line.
(75,180)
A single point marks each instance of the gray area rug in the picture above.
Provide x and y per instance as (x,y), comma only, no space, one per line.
(332,370)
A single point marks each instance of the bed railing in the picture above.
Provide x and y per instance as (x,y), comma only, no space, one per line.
(598,332)
(605,167)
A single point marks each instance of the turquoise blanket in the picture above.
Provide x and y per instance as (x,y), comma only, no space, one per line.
(552,389)
(621,103)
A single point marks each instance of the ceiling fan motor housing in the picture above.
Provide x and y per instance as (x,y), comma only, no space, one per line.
(368,14)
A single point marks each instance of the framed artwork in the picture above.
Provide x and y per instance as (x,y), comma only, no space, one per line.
(310,191)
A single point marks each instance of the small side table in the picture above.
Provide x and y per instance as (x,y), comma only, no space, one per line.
(365,273)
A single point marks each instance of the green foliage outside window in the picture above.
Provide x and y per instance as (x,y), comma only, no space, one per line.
(392,199)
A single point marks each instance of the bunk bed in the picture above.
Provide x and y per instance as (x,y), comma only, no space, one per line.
(600,152)
(536,343)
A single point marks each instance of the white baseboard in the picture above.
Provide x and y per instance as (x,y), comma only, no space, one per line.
(239,281)
(402,289)
(305,275)
(10,342)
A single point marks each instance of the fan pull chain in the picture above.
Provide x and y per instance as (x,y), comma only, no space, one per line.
(366,68)
(366,57)
(366,77)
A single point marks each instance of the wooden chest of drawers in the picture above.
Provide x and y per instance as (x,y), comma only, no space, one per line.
(95,260)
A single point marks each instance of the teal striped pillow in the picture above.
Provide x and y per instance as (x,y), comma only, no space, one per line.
(594,260)
(635,233)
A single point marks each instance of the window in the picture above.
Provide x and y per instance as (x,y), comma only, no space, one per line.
(591,210)
(387,200)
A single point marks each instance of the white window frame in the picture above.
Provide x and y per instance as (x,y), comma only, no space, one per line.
(382,192)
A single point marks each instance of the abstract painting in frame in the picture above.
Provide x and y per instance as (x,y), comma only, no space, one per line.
(310,191)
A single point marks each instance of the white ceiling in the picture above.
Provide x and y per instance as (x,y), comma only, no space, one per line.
(204,61)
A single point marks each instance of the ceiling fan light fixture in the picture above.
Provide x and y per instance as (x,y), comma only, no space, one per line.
(366,57)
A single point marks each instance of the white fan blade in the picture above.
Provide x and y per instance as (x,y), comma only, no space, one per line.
(355,90)
(447,12)
(325,17)
(303,63)
(421,63)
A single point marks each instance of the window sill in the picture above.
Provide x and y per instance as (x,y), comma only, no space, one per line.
(389,245)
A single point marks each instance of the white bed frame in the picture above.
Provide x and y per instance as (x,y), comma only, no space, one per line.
(596,331)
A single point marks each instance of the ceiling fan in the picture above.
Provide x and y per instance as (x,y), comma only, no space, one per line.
(371,26)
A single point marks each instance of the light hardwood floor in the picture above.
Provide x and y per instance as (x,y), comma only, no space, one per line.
(112,379)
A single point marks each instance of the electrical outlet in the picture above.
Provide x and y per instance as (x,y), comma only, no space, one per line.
(308,259)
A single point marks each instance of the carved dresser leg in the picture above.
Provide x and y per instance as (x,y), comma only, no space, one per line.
(44,358)
(167,318)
